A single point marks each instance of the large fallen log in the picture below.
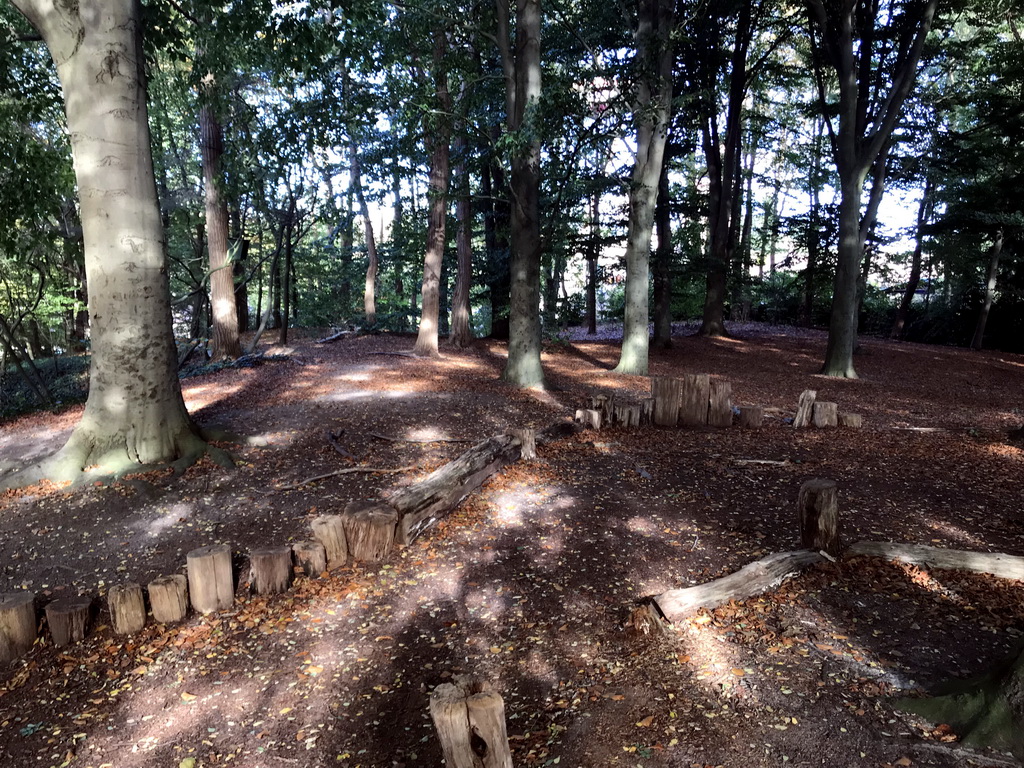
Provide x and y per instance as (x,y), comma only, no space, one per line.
(752,579)
(422,504)
(995,563)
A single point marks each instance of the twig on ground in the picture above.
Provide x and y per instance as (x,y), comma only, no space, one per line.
(332,438)
(421,439)
(346,471)
(769,462)
(962,753)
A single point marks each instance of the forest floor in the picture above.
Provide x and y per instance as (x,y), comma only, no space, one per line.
(530,582)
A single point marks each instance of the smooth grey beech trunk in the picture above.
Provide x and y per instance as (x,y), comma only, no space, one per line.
(135,413)
(461,333)
(653,109)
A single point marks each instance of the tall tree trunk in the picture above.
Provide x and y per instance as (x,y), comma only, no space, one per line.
(497,217)
(655,57)
(923,214)
(990,290)
(370,286)
(222,283)
(522,96)
(438,142)
(813,225)
(593,252)
(723,166)
(285,274)
(462,333)
(663,266)
(135,413)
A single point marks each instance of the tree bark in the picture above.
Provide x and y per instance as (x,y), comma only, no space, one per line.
(370,285)
(135,413)
(522,97)
(462,333)
(438,139)
(663,265)
(653,110)
(990,290)
(222,284)
(924,210)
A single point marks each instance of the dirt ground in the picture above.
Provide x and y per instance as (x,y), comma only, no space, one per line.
(529,584)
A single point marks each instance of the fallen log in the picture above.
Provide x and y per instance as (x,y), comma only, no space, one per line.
(995,563)
(752,579)
(422,504)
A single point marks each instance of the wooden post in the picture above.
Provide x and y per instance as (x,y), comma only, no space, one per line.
(818,512)
(470,723)
(694,399)
(751,416)
(605,405)
(210,580)
(527,438)
(804,408)
(270,570)
(369,530)
(68,618)
(311,557)
(627,414)
(646,410)
(168,596)
(851,420)
(329,530)
(666,393)
(825,414)
(127,608)
(720,404)
(589,418)
(17,624)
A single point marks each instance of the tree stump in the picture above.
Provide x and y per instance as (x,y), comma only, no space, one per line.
(751,416)
(329,530)
(127,608)
(825,414)
(17,624)
(311,557)
(168,596)
(369,530)
(666,392)
(68,618)
(805,408)
(470,723)
(646,410)
(851,420)
(210,580)
(605,405)
(694,399)
(818,511)
(527,438)
(627,415)
(720,404)
(589,418)
(270,570)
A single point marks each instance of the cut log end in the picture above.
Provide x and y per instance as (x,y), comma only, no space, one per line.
(470,723)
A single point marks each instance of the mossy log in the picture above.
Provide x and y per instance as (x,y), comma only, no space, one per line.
(985,711)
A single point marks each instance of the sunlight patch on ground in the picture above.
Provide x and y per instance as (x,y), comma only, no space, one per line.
(281,438)
(205,395)
(170,517)
(367,394)
(956,533)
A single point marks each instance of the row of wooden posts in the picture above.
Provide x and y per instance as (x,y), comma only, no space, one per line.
(365,532)
(697,400)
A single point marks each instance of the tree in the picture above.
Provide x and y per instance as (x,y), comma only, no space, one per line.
(135,414)
(438,138)
(876,67)
(522,96)
(655,57)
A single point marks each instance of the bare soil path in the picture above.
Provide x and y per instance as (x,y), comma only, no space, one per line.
(530,582)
